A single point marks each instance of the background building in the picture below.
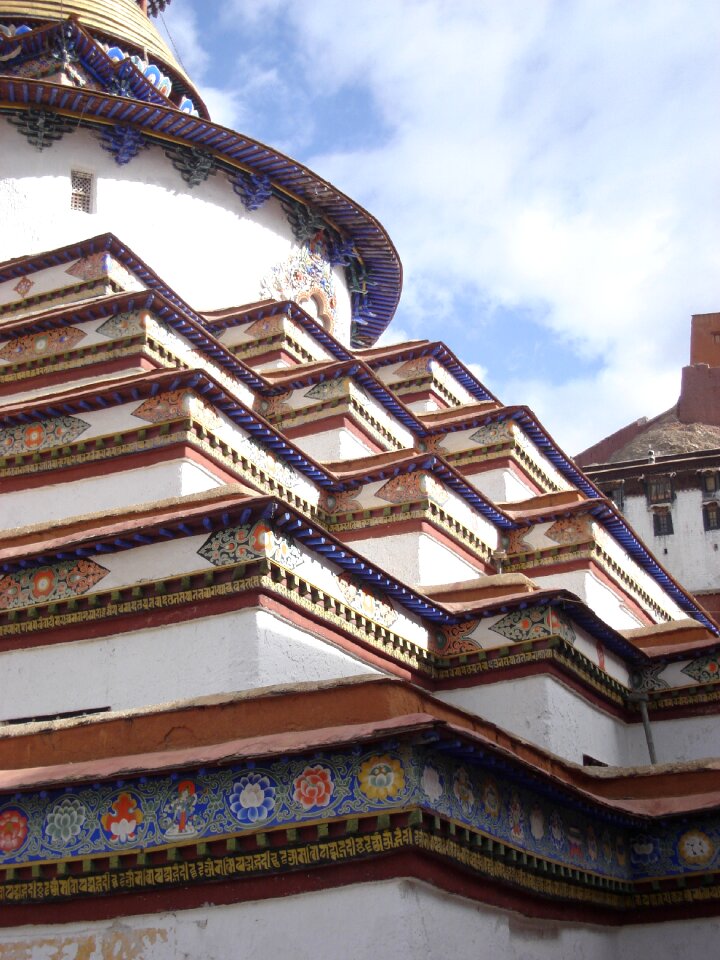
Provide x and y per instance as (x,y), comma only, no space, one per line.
(664,473)
(307,645)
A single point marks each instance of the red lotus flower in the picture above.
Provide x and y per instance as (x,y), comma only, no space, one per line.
(43,582)
(314,787)
(34,435)
(13,830)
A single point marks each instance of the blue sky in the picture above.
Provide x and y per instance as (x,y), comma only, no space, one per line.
(548,170)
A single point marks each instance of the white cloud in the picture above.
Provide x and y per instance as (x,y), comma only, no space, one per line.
(558,156)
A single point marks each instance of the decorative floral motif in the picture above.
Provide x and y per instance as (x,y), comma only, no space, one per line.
(123,325)
(263,458)
(381,777)
(431,445)
(314,787)
(704,669)
(303,277)
(340,502)
(417,367)
(648,678)
(65,821)
(576,529)
(166,406)
(516,542)
(252,799)
(535,623)
(41,434)
(328,389)
(40,344)
(644,849)
(463,791)
(454,638)
(122,823)
(93,267)
(13,830)
(266,327)
(493,433)
(276,406)
(236,544)
(67,578)
(366,600)
(412,486)
(696,848)
(23,287)
(431,782)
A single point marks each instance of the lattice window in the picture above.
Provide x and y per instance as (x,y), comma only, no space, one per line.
(81,191)
(711,516)
(660,490)
(710,484)
(662,523)
(616,493)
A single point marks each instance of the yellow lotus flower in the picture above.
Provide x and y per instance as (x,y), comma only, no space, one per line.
(381,777)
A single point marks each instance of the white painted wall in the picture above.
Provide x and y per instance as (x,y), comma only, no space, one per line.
(222,654)
(598,596)
(327,446)
(399,919)
(177,478)
(690,553)
(416,559)
(202,242)
(500,484)
(550,715)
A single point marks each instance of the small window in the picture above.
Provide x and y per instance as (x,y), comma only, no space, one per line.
(662,523)
(81,191)
(659,490)
(711,516)
(617,494)
(710,482)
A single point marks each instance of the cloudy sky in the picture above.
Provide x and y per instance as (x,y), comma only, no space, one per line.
(548,170)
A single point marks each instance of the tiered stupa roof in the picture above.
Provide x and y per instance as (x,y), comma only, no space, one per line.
(297,609)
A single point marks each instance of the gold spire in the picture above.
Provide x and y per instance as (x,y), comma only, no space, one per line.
(120,21)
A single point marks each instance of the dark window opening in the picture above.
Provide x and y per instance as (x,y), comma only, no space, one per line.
(659,490)
(711,516)
(662,523)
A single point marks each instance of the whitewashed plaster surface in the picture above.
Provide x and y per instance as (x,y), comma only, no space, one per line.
(647,583)
(167,559)
(202,242)
(399,919)
(691,553)
(499,484)
(110,491)
(101,381)
(601,598)
(552,716)
(327,446)
(416,558)
(227,653)
(547,713)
